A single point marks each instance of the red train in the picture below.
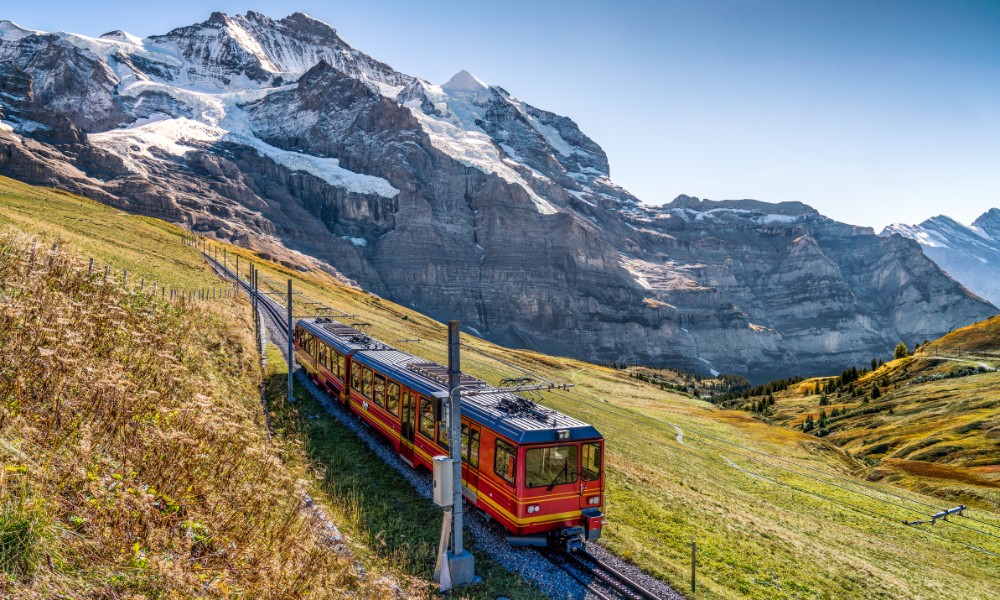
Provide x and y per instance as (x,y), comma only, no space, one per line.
(536,471)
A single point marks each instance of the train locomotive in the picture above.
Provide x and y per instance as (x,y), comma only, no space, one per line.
(537,472)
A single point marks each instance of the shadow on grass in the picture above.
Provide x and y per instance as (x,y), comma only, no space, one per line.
(383,512)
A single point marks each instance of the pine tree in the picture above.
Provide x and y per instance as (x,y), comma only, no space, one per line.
(874,364)
(876,393)
(901,351)
(824,399)
(808,425)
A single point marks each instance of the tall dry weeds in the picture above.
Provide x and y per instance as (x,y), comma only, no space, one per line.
(135,462)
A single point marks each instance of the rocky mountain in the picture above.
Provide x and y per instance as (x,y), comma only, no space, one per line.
(969,253)
(458,199)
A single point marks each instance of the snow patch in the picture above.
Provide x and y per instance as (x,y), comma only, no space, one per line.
(549,133)
(357,241)
(475,149)
(219,117)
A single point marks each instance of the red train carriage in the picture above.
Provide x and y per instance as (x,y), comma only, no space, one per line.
(536,471)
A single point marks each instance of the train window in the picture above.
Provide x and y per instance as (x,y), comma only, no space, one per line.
(505,461)
(442,425)
(465,443)
(392,397)
(366,383)
(551,466)
(341,366)
(379,396)
(322,355)
(474,449)
(470,447)
(356,376)
(426,425)
(590,466)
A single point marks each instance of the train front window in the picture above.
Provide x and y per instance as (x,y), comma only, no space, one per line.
(590,466)
(551,466)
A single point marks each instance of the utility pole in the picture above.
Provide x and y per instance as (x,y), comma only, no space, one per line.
(461,563)
(291,343)
(253,305)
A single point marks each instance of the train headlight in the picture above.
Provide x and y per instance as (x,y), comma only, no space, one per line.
(534,508)
(594,500)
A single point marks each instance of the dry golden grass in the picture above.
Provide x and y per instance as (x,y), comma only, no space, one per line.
(135,461)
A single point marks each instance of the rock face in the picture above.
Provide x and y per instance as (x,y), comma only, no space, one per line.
(970,254)
(457,199)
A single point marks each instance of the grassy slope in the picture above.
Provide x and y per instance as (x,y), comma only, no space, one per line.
(756,538)
(928,431)
(147,248)
(131,439)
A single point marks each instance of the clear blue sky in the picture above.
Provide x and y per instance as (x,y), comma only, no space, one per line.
(873,112)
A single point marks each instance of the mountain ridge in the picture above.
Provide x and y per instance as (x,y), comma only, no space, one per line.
(969,253)
(466,203)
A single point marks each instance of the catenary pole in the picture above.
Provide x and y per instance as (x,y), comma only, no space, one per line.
(291,345)
(461,562)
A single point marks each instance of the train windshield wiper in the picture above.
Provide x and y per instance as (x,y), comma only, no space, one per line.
(565,471)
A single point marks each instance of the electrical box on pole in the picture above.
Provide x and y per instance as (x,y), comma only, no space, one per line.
(443,482)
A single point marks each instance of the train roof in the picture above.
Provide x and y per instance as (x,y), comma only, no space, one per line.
(510,414)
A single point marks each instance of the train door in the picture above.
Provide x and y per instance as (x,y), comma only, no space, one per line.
(407,423)
(591,461)
(470,458)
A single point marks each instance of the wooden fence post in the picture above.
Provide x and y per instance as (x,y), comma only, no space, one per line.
(694,551)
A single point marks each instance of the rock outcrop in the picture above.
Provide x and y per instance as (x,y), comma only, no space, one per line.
(457,199)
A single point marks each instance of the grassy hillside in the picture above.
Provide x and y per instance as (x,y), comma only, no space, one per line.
(131,440)
(935,424)
(763,530)
(681,469)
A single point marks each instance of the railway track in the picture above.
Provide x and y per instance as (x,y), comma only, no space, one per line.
(601,579)
(275,311)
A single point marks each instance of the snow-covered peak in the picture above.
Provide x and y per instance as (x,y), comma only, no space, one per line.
(465,83)
(11,31)
(969,253)
(989,223)
(122,36)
